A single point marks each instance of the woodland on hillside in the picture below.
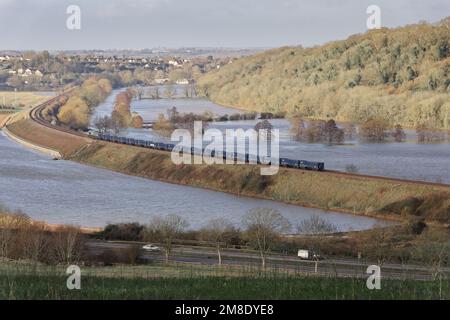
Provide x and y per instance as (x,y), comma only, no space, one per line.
(397,75)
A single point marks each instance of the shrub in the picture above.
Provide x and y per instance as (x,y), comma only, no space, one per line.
(122,231)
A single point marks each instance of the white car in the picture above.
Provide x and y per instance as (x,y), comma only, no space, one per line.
(151,248)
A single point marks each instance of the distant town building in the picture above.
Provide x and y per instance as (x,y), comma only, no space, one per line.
(161,81)
(182,81)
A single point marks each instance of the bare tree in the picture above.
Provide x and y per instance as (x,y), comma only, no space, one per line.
(398,133)
(68,245)
(318,227)
(374,130)
(351,168)
(164,229)
(377,246)
(154,93)
(169,92)
(298,128)
(10,225)
(315,225)
(186,92)
(139,93)
(350,131)
(216,231)
(36,242)
(434,252)
(264,227)
(331,133)
(264,125)
(102,124)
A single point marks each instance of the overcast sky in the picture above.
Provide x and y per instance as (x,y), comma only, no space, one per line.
(133,24)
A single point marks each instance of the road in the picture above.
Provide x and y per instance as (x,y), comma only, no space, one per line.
(327,267)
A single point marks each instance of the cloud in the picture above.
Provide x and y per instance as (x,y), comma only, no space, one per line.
(177,23)
(124,8)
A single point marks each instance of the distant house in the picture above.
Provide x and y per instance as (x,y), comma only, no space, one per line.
(26,73)
(182,81)
(161,81)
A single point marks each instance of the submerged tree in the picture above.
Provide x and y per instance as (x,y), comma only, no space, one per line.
(398,133)
(374,130)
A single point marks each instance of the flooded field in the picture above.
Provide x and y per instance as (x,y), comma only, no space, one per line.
(67,192)
(407,160)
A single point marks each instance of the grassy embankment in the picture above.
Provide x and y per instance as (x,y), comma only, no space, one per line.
(179,281)
(364,196)
(35,133)
(360,195)
(372,197)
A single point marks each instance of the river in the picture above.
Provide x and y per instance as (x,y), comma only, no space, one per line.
(65,192)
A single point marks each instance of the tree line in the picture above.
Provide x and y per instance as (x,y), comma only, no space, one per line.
(263,229)
(75,111)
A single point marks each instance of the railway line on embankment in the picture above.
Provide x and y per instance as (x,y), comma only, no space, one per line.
(359,194)
(36,115)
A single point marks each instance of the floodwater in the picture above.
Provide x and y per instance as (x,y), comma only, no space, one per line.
(66,192)
(406,160)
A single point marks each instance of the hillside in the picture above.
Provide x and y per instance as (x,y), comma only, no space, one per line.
(402,75)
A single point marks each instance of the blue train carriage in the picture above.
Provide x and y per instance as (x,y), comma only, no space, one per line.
(289,163)
(311,165)
(141,143)
(160,146)
(122,140)
(170,147)
(320,166)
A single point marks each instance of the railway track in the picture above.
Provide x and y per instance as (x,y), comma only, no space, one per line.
(36,115)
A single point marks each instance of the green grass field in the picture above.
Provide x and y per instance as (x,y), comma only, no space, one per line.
(200,282)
